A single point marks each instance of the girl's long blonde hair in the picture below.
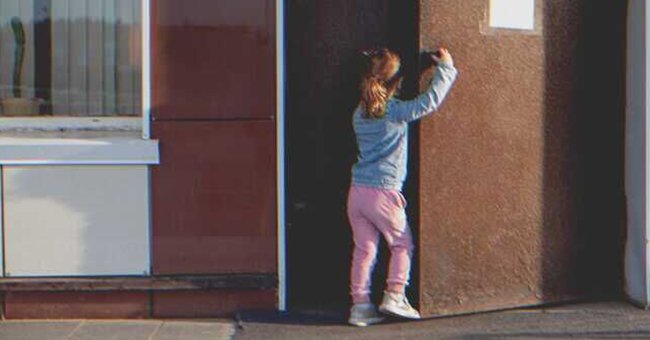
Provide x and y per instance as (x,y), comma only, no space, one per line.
(380,82)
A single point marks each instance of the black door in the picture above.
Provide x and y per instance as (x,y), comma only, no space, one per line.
(324,41)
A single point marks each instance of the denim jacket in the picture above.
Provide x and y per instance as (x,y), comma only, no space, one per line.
(383,142)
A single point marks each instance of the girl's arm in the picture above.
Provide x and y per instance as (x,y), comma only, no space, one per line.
(428,101)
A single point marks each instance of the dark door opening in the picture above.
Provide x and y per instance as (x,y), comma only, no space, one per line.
(517,186)
(324,44)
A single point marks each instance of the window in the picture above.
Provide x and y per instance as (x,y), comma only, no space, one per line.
(512,14)
(80,58)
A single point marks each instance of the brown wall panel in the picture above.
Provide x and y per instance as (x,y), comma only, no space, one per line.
(211,303)
(521,172)
(213,59)
(214,198)
(68,305)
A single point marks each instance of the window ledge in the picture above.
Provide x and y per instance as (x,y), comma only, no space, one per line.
(56,123)
(77,150)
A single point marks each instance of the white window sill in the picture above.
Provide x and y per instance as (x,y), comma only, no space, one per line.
(80,150)
(55,123)
(75,141)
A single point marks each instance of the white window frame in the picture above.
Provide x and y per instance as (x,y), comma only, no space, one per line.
(146,69)
(70,140)
(63,123)
(280,157)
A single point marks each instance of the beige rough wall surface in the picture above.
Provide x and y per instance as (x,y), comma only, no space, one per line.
(501,167)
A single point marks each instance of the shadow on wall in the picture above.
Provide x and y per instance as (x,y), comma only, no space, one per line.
(584,105)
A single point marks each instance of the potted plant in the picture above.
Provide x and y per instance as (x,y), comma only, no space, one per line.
(19,106)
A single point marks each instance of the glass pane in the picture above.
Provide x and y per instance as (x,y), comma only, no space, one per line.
(70,57)
(515,14)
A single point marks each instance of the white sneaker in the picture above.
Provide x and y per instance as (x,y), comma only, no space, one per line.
(398,305)
(364,314)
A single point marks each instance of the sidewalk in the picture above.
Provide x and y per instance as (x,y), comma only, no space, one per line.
(117,329)
(602,320)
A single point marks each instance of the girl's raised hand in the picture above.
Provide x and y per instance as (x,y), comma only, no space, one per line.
(442,56)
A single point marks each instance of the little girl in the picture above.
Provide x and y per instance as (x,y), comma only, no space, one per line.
(375,202)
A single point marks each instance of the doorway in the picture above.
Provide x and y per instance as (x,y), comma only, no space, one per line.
(526,182)
(324,40)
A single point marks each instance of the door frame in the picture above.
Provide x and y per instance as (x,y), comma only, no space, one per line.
(637,154)
(280,144)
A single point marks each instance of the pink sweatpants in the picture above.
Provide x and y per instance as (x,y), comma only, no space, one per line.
(372,212)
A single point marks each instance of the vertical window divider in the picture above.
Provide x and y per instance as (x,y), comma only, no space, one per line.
(146,68)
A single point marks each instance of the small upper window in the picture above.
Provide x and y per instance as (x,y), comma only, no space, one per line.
(70,58)
(512,14)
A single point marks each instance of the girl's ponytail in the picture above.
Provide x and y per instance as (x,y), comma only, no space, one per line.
(373,97)
(379,83)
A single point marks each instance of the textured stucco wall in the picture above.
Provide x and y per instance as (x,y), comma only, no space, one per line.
(521,197)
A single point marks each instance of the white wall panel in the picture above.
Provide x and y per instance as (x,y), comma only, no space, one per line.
(76,220)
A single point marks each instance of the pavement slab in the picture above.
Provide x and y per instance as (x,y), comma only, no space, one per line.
(37,330)
(195,330)
(191,329)
(115,330)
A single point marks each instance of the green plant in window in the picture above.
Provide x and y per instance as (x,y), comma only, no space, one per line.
(19,54)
